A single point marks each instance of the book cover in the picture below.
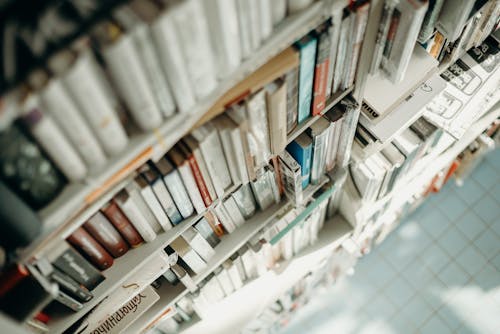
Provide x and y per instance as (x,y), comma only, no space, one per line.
(135,192)
(70,262)
(349,122)
(278,10)
(382,32)
(334,117)
(233,211)
(224,280)
(198,243)
(307,49)
(152,203)
(176,157)
(104,233)
(91,249)
(238,141)
(175,187)
(301,150)
(292,99)
(318,131)
(188,255)
(135,216)
(321,70)
(263,190)
(266,18)
(452,18)
(122,224)
(244,24)
(245,200)
(277,113)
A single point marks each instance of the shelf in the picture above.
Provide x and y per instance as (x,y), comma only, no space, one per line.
(77,198)
(336,98)
(241,306)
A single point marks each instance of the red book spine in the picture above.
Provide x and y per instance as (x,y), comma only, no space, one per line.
(122,224)
(199,180)
(102,230)
(320,81)
(214,224)
(84,242)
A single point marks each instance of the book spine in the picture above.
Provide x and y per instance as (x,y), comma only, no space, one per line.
(360,22)
(228,148)
(224,218)
(68,301)
(266,18)
(263,191)
(66,114)
(199,244)
(295,6)
(292,93)
(205,175)
(200,182)
(147,214)
(53,141)
(391,35)
(135,216)
(178,192)
(292,178)
(102,230)
(244,27)
(215,224)
(233,211)
(188,255)
(173,63)
(318,162)
(383,29)
(277,172)
(204,229)
(70,286)
(166,201)
(245,201)
(452,18)
(155,207)
(122,224)
(306,78)
(192,30)
(255,23)
(74,265)
(259,127)
(233,274)
(144,44)
(278,11)
(191,187)
(86,83)
(334,44)
(303,156)
(276,105)
(239,153)
(132,83)
(184,277)
(321,73)
(430,20)
(216,163)
(91,248)
(341,53)
(347,135)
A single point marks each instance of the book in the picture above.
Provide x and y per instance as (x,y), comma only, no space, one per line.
(205,230)
(360,23)
(70,286)
(104,233)
(187,177)
(411,16)
(292,177)
(68,301)
(430,19)
(334,32)
(248,260)
(194,147)
(224,218)
(301,150)
(233,211)
(222,17)
(334,116)
(88,87)
(345,28)
(452,18)
(211,290)
(136,18)
(224,280)
(233,274)
(376,105)
(321,70)
(36,187)
(175,187)
(245,200)
(347,131)
(188,255)
(256,109)
(382,34)
(52,140)
(184,277)
(276,112)
(214,223)
(122,224)
(292,97)
(134,190)
(278,11)
(263,190)
(129,207)
(427,132)
(171,277)
(150,173)
(213,154)
(265,18)
(128,74)
(70,262)
(318,132)
(254,23)
(223,125)
(153,204)
(295,6)
(307,49)
(244,24)
(90,248)
(198,243)
(168,44)
(58,103)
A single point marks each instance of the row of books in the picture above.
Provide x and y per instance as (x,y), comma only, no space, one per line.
(378,175)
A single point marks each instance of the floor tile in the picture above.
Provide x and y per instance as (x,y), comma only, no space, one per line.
(434,258)
(417,274)
(451,318)
(399,291)
(488,278)
(453,207)
(496,262)
(471,260)
(485,175)
(418,310)
(470,192)
(453,275)
(435,223)
(453,241)
(488,243)
(470,225)
(495,192)
(435,325)
(487,209)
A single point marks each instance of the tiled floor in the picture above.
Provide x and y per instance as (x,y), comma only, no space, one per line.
(439,272)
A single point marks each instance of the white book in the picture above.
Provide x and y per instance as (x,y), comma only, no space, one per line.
(335,117)
(259,129)
(407,112)
(276,113)
(233,211)
(242,7)
(278,11)
(239,152)
(52,140)
(263,190)
(65,112)
(238,263)
(224,281)
(192,259)
(233,274)
(334,44)
(360,23)
(191,27)
(286,245)
(184,277)
(174,65)
(383,29)
(266,18)
(132,83)
(201,305)
(224,218)
(134,192)
(140,30)
(212,290)
(253,8)
(198,243)
(295,6)
(86,84)
(191,187)
(228,148)
(291,176)
(130,209)
(166,201)
(390,168)
(222,19)
(152,202)
(318,131)
(341,53)
(245,201)
(248,260)
(348,130)
(452,18)
(349,50)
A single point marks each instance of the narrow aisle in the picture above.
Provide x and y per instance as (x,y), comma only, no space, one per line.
(439,272)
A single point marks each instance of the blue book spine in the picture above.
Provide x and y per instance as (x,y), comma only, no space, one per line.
(303,156)
(307,49)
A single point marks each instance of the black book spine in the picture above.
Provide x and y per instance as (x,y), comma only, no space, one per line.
(71,287)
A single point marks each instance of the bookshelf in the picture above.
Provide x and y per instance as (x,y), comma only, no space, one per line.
(79,201)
